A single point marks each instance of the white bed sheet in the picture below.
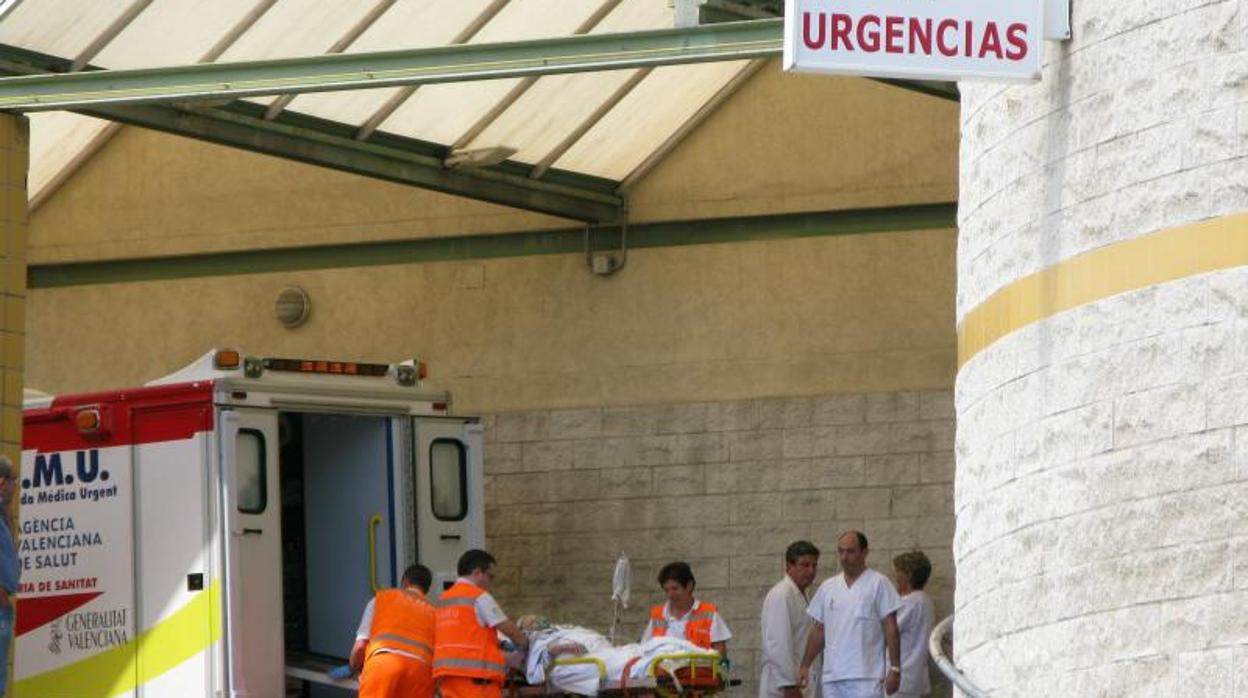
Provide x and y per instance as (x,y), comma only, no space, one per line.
(583,679)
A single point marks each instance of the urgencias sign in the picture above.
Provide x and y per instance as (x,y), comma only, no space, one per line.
(920,39)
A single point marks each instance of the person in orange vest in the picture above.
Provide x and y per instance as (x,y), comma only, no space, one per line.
(394,644)
(684,615)
(467,661)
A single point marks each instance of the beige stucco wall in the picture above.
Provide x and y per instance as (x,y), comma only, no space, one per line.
(793,142)
(782,143)
(725,321)
(713,322)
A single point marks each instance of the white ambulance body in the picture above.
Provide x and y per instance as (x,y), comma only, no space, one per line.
(218,532)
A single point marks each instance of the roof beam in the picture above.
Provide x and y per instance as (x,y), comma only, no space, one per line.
(217,81)
(326,144)
(234,126)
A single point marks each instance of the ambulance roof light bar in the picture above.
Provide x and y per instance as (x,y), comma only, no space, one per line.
(408,373)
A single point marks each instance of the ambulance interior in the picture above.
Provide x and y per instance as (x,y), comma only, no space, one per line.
(355,491)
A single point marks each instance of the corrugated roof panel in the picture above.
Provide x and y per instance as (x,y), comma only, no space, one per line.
(407,24)
(173,32)
(59,27)
(297,28)
(442,113)
(556,105)
(180,32)
(650,114)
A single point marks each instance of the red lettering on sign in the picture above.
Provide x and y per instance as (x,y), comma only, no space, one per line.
(991,42)
(899,34)
(893,34)
(921,34)
(869,39)
(841,26)
(1016,37)
(946,49)
(821,38)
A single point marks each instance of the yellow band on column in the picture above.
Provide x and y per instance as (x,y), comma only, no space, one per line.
(1167,255)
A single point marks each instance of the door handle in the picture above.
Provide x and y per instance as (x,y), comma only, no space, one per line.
(248,531)
(373,523)
(448,536)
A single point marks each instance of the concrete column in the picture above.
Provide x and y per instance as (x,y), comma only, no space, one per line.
(14,157)
(1102,397)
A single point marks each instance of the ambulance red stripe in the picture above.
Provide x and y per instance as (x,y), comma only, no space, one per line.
(127,417)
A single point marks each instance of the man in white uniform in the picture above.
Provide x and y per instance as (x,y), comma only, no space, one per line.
(785,625)
(855,628)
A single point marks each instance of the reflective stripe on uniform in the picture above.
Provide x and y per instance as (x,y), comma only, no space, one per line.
(391,637)
(701,615)
(468,664)
(399,652)
(447,603)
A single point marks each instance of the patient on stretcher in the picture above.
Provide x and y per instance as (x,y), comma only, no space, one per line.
(604,665)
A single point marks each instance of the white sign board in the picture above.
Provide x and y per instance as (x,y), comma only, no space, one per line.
(917,39)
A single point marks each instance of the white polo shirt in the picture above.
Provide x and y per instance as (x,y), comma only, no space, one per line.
(853,638)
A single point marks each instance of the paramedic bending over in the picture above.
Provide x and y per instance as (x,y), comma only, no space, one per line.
(685,616)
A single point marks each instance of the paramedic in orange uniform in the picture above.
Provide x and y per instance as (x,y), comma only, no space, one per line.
(467,661)
(394,645)
(685,616)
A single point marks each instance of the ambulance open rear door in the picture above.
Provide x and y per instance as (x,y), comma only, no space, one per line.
(449,506)
(252,537)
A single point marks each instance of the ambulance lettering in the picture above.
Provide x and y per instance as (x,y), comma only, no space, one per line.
(49,472)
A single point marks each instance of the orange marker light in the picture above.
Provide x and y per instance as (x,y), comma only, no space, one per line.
(87,420)
(226,359)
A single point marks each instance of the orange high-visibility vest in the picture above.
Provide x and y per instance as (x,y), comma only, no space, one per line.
(403,619)
(697,623)
(463,646)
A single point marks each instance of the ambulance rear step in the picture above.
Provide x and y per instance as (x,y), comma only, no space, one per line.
(314,668)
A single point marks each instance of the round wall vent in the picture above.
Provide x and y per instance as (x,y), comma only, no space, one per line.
(292,307)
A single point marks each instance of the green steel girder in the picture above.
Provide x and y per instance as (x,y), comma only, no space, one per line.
(346,71)
(333,145)
(233,126)
(785,226)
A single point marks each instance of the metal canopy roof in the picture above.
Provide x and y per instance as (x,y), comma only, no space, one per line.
(575,140)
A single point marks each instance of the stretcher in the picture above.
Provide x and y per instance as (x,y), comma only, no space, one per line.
(684,675)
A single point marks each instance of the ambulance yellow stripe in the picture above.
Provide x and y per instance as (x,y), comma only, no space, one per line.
(1167,255)
(187,632)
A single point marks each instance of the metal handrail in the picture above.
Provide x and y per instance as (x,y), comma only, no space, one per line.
(935,645)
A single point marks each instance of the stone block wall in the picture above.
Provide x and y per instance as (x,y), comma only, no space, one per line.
(725,486)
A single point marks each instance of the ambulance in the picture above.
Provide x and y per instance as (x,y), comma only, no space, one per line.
(218,532)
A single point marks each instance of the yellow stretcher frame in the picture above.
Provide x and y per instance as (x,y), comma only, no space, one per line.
(654,683)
